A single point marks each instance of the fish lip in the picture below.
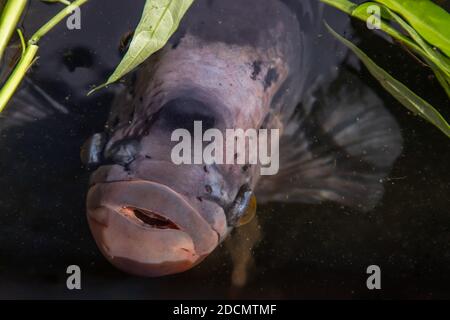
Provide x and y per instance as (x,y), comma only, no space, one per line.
(129,213)
(182,258)
(201,237)
(149,219)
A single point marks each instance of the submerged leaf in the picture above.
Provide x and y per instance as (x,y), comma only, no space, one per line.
(439,59)
(398,90)
(429,20)
(440,76)
(415,42)
(159,21)
(362,12)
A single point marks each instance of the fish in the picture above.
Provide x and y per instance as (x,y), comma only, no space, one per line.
(230,65)
(235,64)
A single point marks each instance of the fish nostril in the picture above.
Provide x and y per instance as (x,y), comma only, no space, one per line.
(92,149)
(123,152)
(149,218)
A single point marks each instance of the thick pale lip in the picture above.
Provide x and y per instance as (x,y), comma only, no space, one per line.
(147,228)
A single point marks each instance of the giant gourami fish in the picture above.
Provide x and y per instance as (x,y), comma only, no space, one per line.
(235,64)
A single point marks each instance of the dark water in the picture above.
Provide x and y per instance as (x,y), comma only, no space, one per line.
(307,251)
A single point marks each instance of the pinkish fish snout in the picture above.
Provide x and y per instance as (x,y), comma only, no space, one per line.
(148,229)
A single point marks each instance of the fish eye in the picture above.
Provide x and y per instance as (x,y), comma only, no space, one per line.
(243,209)
(249,212)
(181,113)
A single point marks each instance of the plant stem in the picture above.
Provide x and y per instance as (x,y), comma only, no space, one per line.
(55,20)
(8,21)
(29,56)
(17,75)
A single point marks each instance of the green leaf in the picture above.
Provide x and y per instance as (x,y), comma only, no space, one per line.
(439,59)
(438,62)
(159,21)
(429,20)
(440,76)
(361,12)
(398,90)
(343,5)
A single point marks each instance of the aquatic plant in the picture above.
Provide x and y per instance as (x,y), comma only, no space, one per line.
(10,16)
(424,31)
(160,19)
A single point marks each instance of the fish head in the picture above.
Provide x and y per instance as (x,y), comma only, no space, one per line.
(149,214)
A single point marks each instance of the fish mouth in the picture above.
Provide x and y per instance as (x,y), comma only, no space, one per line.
(148,218)
(148,229)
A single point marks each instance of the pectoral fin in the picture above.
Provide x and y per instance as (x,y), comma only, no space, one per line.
(339,151)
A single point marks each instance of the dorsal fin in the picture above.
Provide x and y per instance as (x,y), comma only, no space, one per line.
(340,150)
